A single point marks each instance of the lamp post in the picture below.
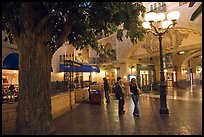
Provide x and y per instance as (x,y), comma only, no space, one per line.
(160,26)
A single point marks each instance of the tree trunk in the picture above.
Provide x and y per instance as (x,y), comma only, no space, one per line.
(34,115)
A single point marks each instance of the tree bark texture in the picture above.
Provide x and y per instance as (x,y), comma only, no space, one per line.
(34,104)
(31,31)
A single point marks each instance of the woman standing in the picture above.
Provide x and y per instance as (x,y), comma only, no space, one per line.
(135,96)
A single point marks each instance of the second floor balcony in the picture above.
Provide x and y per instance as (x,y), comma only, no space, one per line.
(162,8)
(99,60)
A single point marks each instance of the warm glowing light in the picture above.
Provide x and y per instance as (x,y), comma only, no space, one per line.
(61,73)
(182,52)
(94,73)
(102,73)
(173,16)
(146,25)
(115,70)
(165,70)
(174,76)
(166,23)
(160,17)
(151,16)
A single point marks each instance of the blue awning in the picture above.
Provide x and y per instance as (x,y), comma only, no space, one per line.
(11,61)
(77,68)
(70,68)
(90,68)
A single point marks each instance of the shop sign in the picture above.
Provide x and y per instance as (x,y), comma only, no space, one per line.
(169,60)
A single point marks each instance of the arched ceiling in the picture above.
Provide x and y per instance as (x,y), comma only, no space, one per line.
(175,41)
(184,26)
(193,56)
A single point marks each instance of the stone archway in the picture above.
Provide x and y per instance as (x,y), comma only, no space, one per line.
(10,54)
(188,67)
(184,63)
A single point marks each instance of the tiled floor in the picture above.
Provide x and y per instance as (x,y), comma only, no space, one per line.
(184,118)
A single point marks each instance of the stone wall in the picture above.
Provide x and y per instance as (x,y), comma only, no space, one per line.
(81,95)
(60,104)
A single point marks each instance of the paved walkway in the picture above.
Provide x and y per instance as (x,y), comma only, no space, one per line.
(185,117)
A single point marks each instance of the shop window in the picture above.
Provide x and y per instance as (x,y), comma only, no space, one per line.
(151,7)
(144,77)
(159,6)
(182,3)
(174,76)
(155,6)
(152,76)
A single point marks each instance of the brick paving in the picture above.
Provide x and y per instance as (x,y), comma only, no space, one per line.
(184,118)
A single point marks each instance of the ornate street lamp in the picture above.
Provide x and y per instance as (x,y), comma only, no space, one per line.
(160,26)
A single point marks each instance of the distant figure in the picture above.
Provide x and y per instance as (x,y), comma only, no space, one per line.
(11,89)
(120,95)
(93,83)
(106,89)
(76,82)
(135,96)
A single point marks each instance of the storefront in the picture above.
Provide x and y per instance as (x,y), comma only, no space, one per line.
(10,78)
(146,77)
(171,77)
(75,74)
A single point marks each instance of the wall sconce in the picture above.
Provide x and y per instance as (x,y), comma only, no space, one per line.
(165,70)
(132,68)
(15,72)
(184,70)
(181,52)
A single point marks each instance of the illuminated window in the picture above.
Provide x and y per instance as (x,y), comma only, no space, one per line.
(160,7)
(151,7)
(174,76)
(155,6)
(144,77)
(182,3)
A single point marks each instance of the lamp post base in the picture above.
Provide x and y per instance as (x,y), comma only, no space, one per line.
(164,111)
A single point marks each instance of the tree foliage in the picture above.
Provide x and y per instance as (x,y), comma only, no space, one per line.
(88,19)
(40,28)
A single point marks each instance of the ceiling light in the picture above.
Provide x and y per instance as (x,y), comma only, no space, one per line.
(182,52)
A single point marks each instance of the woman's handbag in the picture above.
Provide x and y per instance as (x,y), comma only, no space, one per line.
(139,91)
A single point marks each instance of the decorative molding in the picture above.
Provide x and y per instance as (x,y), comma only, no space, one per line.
(171,40)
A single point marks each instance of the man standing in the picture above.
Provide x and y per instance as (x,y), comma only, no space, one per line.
(106,89)
(120,95)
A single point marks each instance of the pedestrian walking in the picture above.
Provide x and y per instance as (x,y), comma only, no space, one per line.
(106,90)
(120,95)
(135,96)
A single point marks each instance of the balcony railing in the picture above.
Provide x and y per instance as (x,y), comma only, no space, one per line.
(93,60)
(100,60)
(182,3)
(162,8)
